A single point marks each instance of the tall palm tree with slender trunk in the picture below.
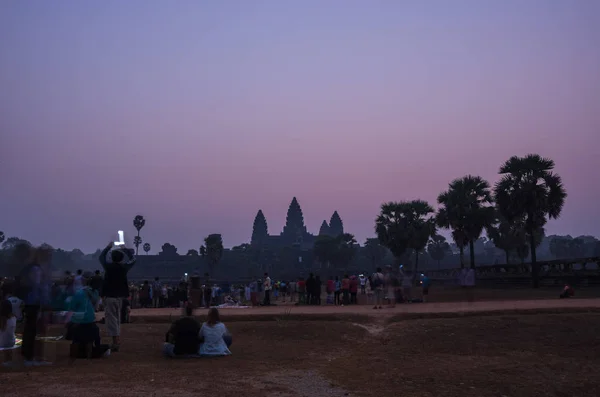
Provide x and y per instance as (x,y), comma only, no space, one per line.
(466,209)
(531,191)
(147,248)
(138,223)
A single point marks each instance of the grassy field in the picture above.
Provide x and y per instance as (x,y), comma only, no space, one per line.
(510,355)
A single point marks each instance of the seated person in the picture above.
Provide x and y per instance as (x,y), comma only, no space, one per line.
(182,338)
(214,337)
(82,328)
(8,324)
(567,292)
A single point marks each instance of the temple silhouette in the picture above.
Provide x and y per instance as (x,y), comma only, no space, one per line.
(294,232)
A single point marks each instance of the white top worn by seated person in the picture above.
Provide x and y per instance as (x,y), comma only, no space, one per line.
(7,336)
(16,307)
(213,344)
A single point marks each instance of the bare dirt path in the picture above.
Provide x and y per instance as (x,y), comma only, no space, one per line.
(413,308)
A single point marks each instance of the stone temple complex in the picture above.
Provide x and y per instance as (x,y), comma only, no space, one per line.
(294,232)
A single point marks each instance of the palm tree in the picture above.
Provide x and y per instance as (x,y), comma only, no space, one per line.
(405,225)
(137,241)
(437,248)
(138,223)
(529,190)
(212,250)
(466,210)
(147,248)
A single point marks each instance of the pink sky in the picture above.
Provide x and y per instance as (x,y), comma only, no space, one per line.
(196,116)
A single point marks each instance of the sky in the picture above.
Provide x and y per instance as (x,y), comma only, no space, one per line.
(196,114)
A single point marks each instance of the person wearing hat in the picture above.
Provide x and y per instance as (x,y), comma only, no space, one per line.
(115,288)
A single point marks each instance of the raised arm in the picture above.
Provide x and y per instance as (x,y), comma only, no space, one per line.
(104,253)
(130,259)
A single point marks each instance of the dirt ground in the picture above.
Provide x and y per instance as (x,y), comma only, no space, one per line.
(510,355)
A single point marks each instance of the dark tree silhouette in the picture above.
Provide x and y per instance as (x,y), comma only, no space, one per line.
(324,250)
(138,222)
(147,248)
(466,209)
(2,237)
(529,190)
(405,225)
(324,229)
(337,251)
(260,231)
(11,242)
(192,252)
(375,252)
(437,248)
(336,226)
(137,241)
(169,250)
(213,250)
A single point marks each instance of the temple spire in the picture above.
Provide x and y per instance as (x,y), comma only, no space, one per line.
(336,226)
(294,222)
(260,232)
(324,230)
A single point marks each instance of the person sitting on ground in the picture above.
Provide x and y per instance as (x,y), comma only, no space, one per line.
(567,292)
(214,337)
(182,339)
(17,304)
(82,328)
(8,324)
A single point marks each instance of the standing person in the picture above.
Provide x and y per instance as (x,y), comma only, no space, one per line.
(337,290)
(353,290)
(301,291)
(317,291)
(207,291)
(425,282)
(115,288)
(330,290)
(34,291)
(363,283)
(78,281)
(267,286)
(390,283)
(346,290)
(377,286)
(293,289)
(96,283)
(156,293)
(310,289)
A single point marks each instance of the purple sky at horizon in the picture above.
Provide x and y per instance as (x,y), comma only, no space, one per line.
(197,114)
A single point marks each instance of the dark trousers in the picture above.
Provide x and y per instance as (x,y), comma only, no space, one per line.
(353,298)
(267,300)
(346,296)
(337,297)
(309,298)
(207,297)
(30,322)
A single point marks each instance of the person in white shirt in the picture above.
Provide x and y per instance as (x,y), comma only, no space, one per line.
(17,306)
(78,281)
(267,287)
(363,283)
(8,324)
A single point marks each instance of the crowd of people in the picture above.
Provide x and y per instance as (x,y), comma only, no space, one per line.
(31,301)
